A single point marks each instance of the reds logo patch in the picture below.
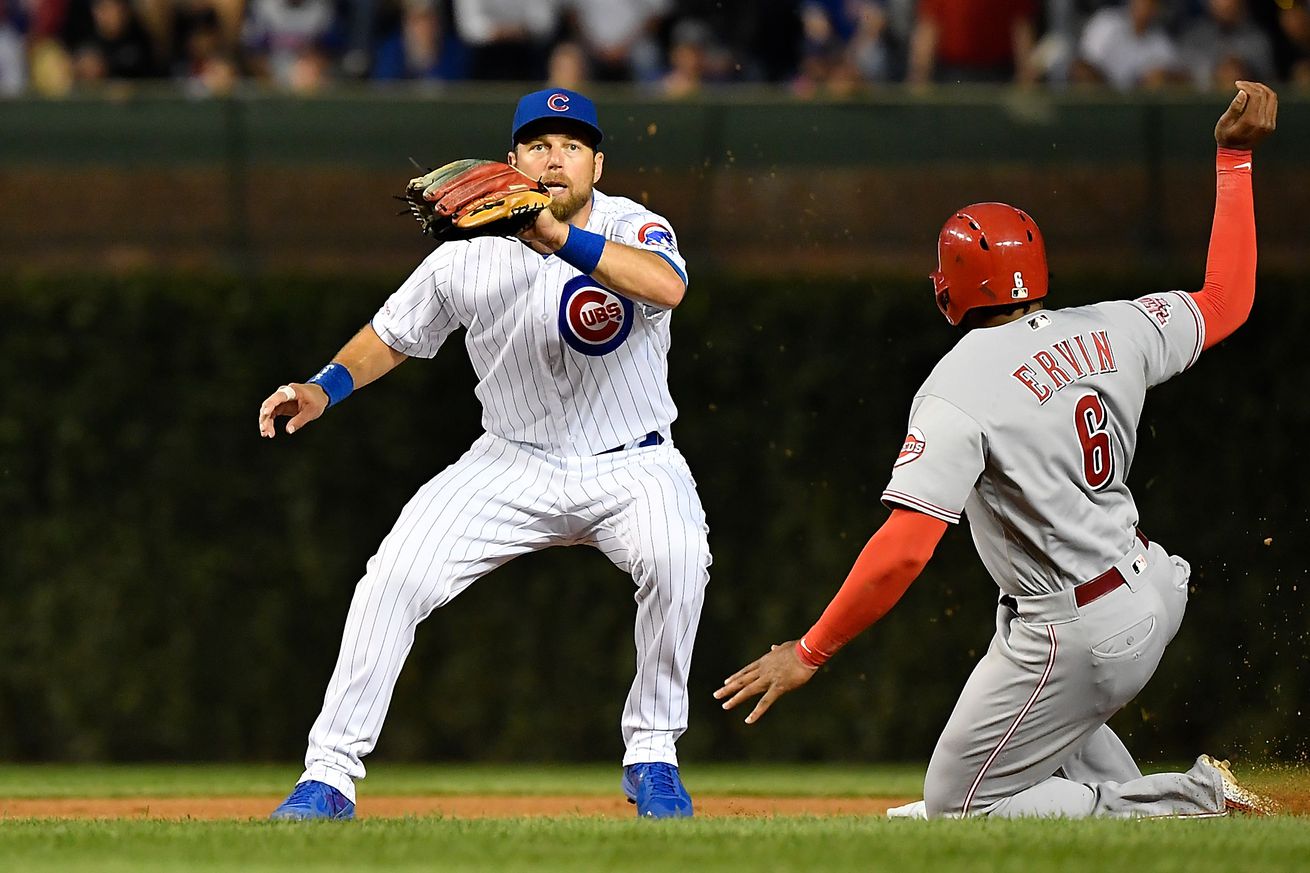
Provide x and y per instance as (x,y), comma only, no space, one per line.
(912,448)
(593,319)
(656,234)
(558,102)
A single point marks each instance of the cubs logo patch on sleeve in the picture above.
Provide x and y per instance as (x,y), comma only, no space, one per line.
(912,448)
(653,233)
(593,319)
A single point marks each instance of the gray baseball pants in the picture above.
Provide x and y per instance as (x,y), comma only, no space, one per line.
(1028,735)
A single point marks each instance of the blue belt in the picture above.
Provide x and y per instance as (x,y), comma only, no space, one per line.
(651,439)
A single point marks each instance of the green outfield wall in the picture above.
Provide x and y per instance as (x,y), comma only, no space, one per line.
(173,587)
(753,182)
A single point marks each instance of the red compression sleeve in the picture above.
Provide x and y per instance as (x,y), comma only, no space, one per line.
(1229,290)
(890,561)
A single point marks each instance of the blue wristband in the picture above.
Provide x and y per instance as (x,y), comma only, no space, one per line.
(336,381)
(582,250)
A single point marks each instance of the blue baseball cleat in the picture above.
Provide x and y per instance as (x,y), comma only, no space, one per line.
(657,790)
(312,800)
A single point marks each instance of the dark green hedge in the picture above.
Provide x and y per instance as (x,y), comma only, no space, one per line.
(171,586)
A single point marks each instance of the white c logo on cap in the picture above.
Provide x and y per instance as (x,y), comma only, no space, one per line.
(558,102)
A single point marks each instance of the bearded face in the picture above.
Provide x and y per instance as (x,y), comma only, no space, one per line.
(566,163)
(565,203)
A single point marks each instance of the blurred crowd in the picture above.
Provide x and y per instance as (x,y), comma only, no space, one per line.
(678,48)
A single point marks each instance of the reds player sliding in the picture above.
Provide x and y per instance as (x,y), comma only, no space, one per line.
(1028,425)
(567,330)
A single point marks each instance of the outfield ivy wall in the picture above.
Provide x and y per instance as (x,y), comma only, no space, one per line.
(173,587)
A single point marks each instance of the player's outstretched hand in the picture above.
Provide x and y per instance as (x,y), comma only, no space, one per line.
(302,402)
(1251,117)
(773,675)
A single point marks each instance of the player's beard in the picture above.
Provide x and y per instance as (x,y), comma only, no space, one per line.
(564,208)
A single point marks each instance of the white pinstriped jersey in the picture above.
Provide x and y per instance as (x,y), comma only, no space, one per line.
(1031,427)
(562,362)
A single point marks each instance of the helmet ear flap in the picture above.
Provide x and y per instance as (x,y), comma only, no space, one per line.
(942,293)
(944,303)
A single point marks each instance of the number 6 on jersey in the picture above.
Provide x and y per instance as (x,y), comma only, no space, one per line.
(1090,421)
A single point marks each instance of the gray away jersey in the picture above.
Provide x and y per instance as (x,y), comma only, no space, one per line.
(562,362)
(1030,428)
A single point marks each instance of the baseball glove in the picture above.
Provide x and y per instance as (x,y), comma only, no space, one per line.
(472,198)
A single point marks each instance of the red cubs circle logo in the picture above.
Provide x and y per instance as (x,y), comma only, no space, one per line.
(595,315)
(593,319)
(558,102)
(912,448)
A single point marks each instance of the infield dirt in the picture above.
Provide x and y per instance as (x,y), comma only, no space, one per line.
(461,806)
(472,806)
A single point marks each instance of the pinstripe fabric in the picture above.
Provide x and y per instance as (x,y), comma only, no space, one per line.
(533,385)
(500,500)
(551,402)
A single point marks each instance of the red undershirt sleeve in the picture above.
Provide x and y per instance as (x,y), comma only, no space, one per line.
(1225,300)
(890,561)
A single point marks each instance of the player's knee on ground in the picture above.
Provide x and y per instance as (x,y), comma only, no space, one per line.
(943,793)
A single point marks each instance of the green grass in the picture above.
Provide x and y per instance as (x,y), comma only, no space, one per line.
(63,780)
(807,844)
(804,844)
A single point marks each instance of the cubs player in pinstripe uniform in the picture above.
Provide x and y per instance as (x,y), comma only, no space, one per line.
(568,330)
(1029,425)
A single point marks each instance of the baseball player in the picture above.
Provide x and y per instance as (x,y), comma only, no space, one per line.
(567,328)
(1028,425)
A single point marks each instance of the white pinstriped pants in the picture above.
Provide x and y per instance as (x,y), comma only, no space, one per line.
(500,500)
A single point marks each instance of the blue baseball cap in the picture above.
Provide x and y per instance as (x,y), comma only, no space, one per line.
(555,103)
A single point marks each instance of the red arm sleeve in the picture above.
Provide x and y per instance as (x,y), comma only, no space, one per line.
(890,561)
(1229,290)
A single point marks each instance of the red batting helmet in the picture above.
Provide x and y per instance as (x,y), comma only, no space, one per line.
(988,254)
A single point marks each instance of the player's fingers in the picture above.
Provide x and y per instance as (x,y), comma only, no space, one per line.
(746,693)
(266,412)
(748,670)
(285,394)
(762,707)
(1255,92)
(1270,108)
(301,418)
(271,403)
(276,403)
(1262,108)
(735,684)
(1235,108)
(1261,94)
